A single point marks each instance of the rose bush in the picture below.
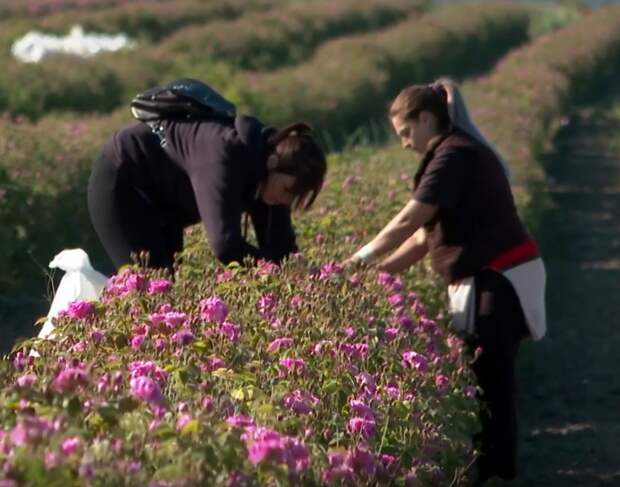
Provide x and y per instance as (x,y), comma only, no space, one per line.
(346,378)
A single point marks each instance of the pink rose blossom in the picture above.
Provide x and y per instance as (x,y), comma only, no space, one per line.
(231,331)
(280,343)
(329,270)
(159,286)
(146,389)
(223,276)
(301,402)
(183,337)
(359,408)
(97,336)
(31,429)
(362,462)
(267,306)
(441,381)
(470,391)
(182,421)
(213,363)
(391,333)
(266,268)
(396,300)
(415,360)
(26,380)
(79,310)
(69,379)
(207,403)
(137,342)
(291,365)
(70,445)
(362,426)
(240,421)
(174,319)
(51,460)
(367,382)
(213,310)
(147,368)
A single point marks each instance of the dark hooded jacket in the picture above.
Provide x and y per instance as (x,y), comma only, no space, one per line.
(477,218)
(209,171)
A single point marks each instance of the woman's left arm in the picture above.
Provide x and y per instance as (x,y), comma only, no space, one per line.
(274,231)
(400,228)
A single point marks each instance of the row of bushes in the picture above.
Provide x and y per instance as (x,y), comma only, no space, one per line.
(351,80)
(286,35)
(149,21)
(524,101)
(281,35)
(37,8)
(48,154)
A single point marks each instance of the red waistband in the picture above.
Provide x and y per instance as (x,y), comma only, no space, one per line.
(518,254)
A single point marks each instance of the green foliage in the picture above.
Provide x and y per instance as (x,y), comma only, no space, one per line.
(351,329)
(523,102)
(285,36)
(352,80)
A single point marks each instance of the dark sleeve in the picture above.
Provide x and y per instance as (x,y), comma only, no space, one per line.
(274,231)
(218,192)
(444,180)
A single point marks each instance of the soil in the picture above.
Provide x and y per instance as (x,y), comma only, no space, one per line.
(569,383)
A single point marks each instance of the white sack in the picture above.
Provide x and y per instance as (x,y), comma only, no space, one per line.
(36,46)
(80,283)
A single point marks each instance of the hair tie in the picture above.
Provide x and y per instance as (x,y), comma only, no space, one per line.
(439,90)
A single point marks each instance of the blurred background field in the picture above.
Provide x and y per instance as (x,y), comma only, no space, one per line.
(334,64)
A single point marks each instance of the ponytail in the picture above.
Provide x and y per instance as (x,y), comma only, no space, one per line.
(460,119)
(295,151)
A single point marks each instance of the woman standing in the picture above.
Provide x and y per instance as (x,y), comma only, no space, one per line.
(463,215)
(142,195)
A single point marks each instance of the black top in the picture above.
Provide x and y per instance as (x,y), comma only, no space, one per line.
(477,218)
(210,171)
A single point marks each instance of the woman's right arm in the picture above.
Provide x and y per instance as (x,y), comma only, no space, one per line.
(409,253)
(218,188)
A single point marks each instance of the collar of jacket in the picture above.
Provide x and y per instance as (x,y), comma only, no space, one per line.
(433,144)
(255,136)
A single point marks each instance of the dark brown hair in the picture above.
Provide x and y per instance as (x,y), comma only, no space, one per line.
(298,154)
(443,98)
(423,98)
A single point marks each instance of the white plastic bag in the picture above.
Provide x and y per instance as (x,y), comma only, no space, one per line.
(80,282)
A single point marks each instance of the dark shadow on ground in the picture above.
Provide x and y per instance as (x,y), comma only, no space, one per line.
(569,397)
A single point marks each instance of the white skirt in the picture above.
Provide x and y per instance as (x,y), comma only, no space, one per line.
(528,280)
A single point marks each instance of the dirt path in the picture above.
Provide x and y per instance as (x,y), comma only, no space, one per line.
(569,394)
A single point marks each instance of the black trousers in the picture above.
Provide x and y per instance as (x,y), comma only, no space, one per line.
(499,328)
(126,219)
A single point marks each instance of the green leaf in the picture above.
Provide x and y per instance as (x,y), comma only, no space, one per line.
(73,406)
(193,426)
(200,345)
(40,321)
(109,414)
(127,404)
(223,373)
(331,386)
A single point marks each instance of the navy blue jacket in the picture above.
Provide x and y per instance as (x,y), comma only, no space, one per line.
(209,171)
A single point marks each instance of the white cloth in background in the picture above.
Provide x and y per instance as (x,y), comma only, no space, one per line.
(528,280)
(36,46)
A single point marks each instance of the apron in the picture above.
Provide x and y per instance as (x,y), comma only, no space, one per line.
(528,280)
